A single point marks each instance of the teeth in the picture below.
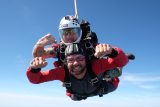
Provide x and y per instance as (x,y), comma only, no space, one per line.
(76,68)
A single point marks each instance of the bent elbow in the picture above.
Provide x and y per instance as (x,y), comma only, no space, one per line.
(125,62)
(33,81)
(33,78)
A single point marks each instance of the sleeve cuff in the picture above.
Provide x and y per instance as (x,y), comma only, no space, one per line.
(35,70)
(113,54)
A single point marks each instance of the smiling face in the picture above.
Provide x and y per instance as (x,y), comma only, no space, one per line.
(77,65)
(69,36)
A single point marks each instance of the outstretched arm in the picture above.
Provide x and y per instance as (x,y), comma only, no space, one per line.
(35,75)
(116,58)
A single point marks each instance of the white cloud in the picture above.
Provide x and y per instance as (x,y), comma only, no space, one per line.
(141,78)
(148,86)
(24,100)
(146,81)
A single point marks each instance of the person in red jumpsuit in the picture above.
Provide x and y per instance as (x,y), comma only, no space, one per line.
(77,71)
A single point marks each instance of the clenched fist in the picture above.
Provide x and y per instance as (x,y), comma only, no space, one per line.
(102,50)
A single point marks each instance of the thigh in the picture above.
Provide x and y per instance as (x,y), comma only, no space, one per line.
(108,87)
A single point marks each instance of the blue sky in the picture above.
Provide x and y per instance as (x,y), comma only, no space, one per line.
(133,25)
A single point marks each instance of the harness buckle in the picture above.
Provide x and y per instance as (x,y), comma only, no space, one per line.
(66,84)
(94,80)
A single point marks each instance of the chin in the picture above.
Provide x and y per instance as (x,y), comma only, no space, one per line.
(77,72)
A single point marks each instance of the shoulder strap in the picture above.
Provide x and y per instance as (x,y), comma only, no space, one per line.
(61,53)
(94,79)
(67,81)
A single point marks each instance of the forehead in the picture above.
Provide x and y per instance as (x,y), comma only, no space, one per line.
(75,56)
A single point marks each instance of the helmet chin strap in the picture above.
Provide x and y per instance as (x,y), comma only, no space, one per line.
(76,11)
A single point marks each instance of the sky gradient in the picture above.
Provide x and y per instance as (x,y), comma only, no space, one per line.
(132,25)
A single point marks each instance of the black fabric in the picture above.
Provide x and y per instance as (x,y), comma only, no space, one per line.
(87,33)
(61,53)
(83,87)
(91,73)
(67,81)
(74,48)
(85,26)
(113,54)
(35,70)
(105,88)
(76,97)
(130,56)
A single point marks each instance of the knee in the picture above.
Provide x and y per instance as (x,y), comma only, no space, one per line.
(115,82)
(77,98)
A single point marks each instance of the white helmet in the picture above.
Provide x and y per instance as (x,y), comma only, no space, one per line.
(69,30)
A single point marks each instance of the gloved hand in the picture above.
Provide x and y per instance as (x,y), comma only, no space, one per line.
(102,50)
(39,50)
(38,62)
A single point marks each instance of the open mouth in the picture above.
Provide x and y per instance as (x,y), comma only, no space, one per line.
(76,68)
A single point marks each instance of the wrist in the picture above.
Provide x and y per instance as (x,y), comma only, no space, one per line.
(35,70)
(113,54)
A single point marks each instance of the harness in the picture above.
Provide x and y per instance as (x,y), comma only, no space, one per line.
(93,81)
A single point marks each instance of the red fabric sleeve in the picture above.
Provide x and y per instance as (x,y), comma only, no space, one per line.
(44,76)
(101,65)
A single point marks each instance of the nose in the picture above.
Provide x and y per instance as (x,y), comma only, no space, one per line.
(75,62)
(68,36)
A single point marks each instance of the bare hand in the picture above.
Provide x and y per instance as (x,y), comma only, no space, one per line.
(38,62)
(46,40)
(102,50)
(39,49)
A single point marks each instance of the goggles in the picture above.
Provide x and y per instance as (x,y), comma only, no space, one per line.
(70,35)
